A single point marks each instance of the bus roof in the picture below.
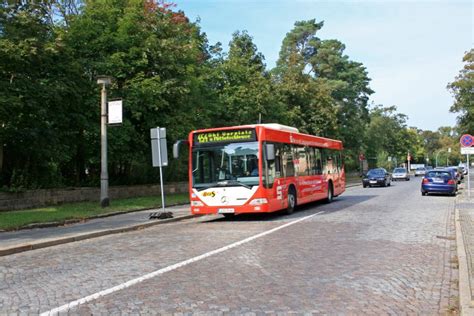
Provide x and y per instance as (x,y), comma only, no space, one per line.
(281,133)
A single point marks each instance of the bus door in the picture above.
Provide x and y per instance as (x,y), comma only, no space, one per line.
(273,180)
(332,168)
(310,180)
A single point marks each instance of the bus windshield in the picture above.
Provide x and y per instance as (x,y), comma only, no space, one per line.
(231,164)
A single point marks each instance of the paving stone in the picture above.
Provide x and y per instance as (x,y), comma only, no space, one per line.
(371,252)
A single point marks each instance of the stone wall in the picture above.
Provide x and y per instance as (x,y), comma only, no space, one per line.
(37,198)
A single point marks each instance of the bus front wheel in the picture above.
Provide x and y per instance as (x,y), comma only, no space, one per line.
(291,201)
(330,196)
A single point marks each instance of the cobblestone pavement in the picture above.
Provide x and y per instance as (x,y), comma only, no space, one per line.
(373,251)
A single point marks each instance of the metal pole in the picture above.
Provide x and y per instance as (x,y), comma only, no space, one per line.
(104,175)
(468,178)
(437,157)
(408,161)
(161,172)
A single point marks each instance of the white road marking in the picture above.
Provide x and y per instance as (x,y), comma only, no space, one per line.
(150,275)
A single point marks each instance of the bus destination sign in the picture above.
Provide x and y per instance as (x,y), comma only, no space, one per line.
(229,136)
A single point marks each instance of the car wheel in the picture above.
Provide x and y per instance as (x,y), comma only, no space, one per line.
(423,193)
(364,185)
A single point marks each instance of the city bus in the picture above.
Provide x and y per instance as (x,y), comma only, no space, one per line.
(260,168)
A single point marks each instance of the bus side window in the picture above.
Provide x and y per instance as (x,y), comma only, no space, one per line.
(340,162)
(319,162)
(328,162)
(303,161)
(311,161)
(335,163)
(288,165)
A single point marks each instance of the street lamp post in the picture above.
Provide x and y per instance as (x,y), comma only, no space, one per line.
(437,156)
(447,156)
(104,175)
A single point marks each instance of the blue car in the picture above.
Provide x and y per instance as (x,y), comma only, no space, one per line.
(439,181)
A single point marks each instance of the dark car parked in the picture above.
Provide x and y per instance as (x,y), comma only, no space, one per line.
(378,176)
(459,173)
(439,181)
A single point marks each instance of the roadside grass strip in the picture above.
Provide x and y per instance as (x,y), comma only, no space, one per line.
(73,304)
(12,220)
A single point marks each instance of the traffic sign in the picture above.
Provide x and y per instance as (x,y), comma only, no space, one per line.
(466,140)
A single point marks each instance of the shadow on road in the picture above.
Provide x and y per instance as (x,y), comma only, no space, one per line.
(340,203)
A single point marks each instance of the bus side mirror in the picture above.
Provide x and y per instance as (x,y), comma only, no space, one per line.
(270,148)
(176,147)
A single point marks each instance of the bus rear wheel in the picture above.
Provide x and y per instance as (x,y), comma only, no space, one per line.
(291,201)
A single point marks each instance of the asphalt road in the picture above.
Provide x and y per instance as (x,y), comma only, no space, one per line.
(371,251)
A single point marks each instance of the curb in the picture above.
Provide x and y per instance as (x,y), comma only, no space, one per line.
(65,240)
(465,300)
(351,185)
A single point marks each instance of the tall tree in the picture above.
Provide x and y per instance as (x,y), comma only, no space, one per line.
(35,93)
(308,98)
(387,132)
(155,56)
(325,91)
(243,86)
(462,89)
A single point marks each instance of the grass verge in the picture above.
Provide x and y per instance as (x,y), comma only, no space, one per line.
(13,220)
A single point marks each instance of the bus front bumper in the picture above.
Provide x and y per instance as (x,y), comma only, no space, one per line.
(230,209)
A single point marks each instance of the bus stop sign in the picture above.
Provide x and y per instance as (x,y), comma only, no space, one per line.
(159,150)
(467,140)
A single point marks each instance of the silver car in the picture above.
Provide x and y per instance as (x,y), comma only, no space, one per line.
(400,174)
(420,171)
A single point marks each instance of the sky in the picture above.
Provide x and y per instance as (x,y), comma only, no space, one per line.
(411,48)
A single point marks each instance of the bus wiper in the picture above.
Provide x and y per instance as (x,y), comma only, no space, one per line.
(202,187)
(229,183)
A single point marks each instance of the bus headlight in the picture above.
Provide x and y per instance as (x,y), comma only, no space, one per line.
(259,201)
(196,203)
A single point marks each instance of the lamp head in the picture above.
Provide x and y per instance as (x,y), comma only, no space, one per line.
(104,80)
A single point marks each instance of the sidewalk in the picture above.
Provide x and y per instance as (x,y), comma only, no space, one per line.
(29,239)
(465,244)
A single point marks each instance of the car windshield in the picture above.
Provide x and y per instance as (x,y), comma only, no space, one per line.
(438,174)
(376,173)
(399,170)
(421,169)
(225,165)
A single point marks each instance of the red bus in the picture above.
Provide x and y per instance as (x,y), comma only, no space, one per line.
(260,168)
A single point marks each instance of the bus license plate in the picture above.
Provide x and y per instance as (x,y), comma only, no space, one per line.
(226,210)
